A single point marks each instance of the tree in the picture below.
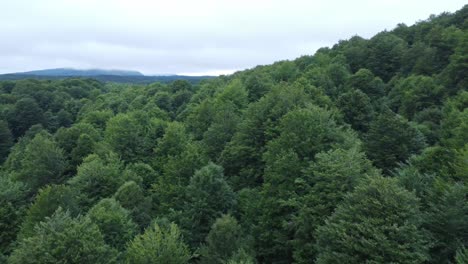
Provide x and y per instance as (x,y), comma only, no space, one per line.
(392,139)
(284,71)
(42,163)
(129,135)
(208,196)
(13,201)
(227,107)
(462,256)
(77,141)
(217,250)
(63,239)
(46,202)
(302,134)
(257,85)
(169,191)
(460,165)
(446,218)
(327,181)
(414,94)
(97,118)
(454,122)
(25,114)
(242,156)
(356,52)
(131,197)
(221,130)
(454,74)
(114,222)
(379,222)
(158,245)
(6,141)
(366,81)
(97,178)
(357,109)
(385,54)
(241,257)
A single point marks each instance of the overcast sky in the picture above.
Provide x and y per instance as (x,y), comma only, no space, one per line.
(189,37)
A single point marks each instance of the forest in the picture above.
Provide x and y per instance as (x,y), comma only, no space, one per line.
(356,154)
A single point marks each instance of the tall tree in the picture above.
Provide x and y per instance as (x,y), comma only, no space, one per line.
(302,134)
(328,180)
(97,178)
(385,54)
(392,139)
(114,222)
(131,196)
(379,222)
(25,113)
(357,109)
(13,202)
(42,162)
(6,140)
(216,249)
(208,196)
(63,239)
(46,202)
(158,245)
(446,218)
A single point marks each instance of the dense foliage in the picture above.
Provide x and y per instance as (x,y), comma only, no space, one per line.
(357,154)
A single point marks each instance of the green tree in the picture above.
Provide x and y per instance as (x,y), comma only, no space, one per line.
(414,94)
(77,141)
(284,71)
(6,141)
(114,222)
(158,245)
(97,118)
(221,130)
(242,156)
(129,135)
(462,256)
(386,52)
(208,196)
(97,178)
(63,239)
(379,222)
(46,202)
(454,74)
(460,165)
(454,122)
(131,196)
(13,201)
(446,218)
(325,184)
(257,85)
(357,109)
(217,248)
(303,133)
(169,190)
(42,163)
(356,52)
(366,81)
(392,139)
(25,113)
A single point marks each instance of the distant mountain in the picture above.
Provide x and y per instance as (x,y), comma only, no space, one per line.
(76,72)
(117,76)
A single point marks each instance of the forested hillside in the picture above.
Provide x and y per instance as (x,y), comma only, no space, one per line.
(357,154)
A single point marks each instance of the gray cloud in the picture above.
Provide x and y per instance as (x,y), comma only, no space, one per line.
(194,37)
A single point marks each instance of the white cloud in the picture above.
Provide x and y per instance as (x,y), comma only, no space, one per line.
(196,37)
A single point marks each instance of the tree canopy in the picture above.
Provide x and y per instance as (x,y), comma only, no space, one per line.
(355,154)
